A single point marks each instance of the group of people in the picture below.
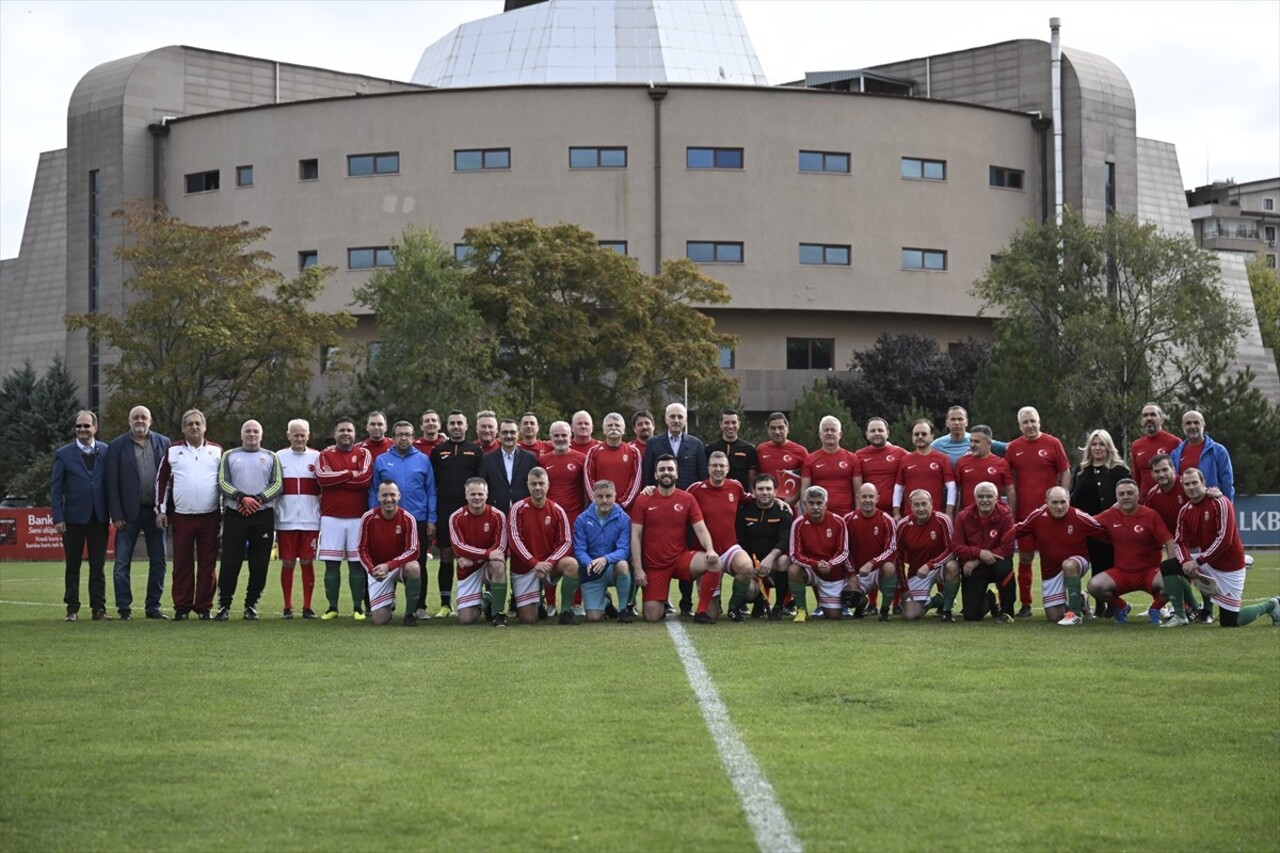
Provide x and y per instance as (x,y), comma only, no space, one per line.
(522,524)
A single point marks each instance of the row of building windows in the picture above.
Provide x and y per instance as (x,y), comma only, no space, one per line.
(609,157)
(701,251)
(802,354)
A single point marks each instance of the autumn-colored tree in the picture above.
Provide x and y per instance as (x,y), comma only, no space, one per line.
(580,326)
(208,323)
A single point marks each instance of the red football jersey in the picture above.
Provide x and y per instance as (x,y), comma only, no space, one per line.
(974,534)
(377,448)
(924,544)
(537,535)
(565,481)
(1209,530)
(393,541)
(720,510)
(620,464)
(824,540)
(1138,539)
(344,481)
(788,456)
(879,467)
(1141,452)
(929,471)
(666,520)
(1036,466)
(1058,538)
(426,445)
(972,470)
(1166,504)
(477,537)
(872,539)
(834,472)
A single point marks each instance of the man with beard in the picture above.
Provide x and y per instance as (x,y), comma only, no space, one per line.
(453,463)
(1142,542)
(742,456)
(413,473)
(873,546)
(660,523)
(877,464)
(981,465)
(1153,442)
(927,469)
(344,473)
(1038,462)
(1200,451)
(691,466)
(642,428)
(541,538)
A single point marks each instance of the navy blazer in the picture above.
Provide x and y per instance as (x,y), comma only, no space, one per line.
(123,499)
(503,495)
(691,463)
(79,495)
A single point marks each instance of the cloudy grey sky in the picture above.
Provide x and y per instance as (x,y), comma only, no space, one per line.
(1206,75)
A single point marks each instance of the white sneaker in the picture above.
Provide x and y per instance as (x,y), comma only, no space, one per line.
(1275,611)
(580,611)
(1166,612)
(552,612)
(421,614)
(1248,561)
(1070,619)
(1177,620)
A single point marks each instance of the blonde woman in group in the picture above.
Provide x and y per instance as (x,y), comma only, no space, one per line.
(1093,489)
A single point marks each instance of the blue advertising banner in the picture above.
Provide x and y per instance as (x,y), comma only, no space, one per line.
(1258,520)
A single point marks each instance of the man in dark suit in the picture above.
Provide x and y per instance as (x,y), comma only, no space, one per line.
(691,467)
(132,460)
(80,513)
(506,470)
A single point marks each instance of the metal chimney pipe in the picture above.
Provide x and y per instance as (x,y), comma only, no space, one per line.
(1055,57)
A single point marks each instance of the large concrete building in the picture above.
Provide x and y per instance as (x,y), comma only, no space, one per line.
(836,208)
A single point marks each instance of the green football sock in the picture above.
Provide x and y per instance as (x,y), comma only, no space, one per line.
(888,587)
(1075,601)
(1171,573)
(332,582)
(949,590)
(355,582)
(1188,592)
(569,585)
(800,592)
(499,599)
(739,595)
(1253,611)
(412,589)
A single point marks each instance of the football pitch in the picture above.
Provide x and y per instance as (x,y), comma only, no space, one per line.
(301,735)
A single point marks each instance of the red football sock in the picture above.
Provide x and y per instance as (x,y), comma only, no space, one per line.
(1024,583)
(873,597)
(308,583)
(286,584)
(577,596)
(550,594)
(1120,603)
(708,586)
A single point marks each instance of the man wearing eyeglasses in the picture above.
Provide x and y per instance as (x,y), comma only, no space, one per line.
(79,494)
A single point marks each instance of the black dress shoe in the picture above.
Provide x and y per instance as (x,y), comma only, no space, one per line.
(156,614)
(124,615)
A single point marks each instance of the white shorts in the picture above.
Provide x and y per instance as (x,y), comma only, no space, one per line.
(470,590)
(1230,594)
(382,593)
(920,589)
(868,583)
(1054,590)
(726,559)
(339,538)
(527,587)
(1083,562)
(829,592)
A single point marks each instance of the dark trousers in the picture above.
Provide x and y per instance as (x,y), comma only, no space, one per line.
(973,589)
(195,560)
(94,535)
(245,537)
(126,542)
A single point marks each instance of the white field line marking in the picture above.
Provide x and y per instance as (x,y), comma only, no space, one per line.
(768,821)
(32,603)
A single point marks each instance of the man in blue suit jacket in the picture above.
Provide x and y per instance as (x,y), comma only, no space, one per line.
(132,460)
(691,467)
(80,513)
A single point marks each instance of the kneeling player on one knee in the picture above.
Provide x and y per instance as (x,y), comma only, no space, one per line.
(541,549)
(660,523)
(1062,590)
(601,548)
(819,555)
(924,548)
(389,551)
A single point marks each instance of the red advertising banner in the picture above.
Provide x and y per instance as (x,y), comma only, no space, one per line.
(29,534)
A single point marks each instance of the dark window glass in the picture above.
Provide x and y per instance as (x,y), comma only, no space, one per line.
(308,170)
(713,158)
(824,254)
(916,169)
(359,165)
(203,182)
(824,161)
(244,176)
(1010,179)
(308,258)
(701,252)
(461,251)
(810,353)
(924,259)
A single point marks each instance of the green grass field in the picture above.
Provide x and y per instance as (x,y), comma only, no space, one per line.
(335,735)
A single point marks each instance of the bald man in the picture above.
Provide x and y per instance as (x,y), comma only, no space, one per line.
(250,479)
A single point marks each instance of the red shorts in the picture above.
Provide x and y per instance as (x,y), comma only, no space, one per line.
(1025,551)
(1127,581)
(297,544)
(659,580)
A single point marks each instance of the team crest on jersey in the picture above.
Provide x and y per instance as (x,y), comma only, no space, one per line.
(933,466)
(890,458)
(678,507)
(875,531)
(933,534)
(546,521)
(1042,453)
(1071,529)
(992,534)
(733,497)
(844,464)
(1206,515)
(397,530)
(626,458)
(1138,528)
(572,467)
(828,534)
(786,458)
(311,468)
(991,469)
(486,527)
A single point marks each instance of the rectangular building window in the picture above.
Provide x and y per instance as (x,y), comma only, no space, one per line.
(810,353)
(1270,232)
(1271,262)
(203,182)
(359,165)
(1268,204)
(244,176)
(308,258)
(369,257)
(461,251)
(1109,191)
(328,358)
(824,254)
(481,159)
(915,169)
(924,259)
(713,158)
(713,253)
(726,358)
(619,246)
(598,158)
(1009,179)
(309,170)
(825,161)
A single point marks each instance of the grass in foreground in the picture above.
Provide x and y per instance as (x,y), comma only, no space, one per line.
(311,735)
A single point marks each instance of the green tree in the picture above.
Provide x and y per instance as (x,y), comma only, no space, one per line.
(581,326)
(434,349)
(900,428)
(1240,418)
(818,401)
(1265,286)
(208,323)
(1117,314)
(36,417)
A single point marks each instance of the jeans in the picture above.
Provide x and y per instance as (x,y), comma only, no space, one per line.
(126,541)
